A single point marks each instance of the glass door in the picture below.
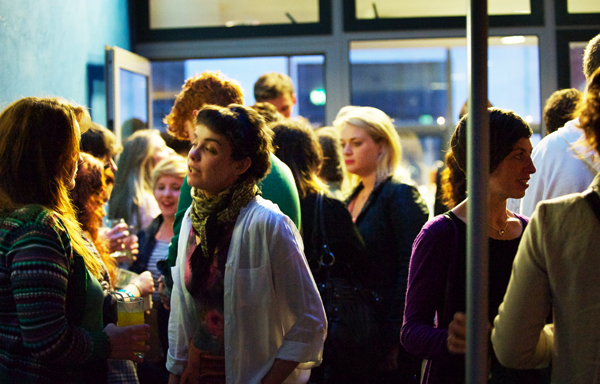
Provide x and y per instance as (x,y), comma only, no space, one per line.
(129,86)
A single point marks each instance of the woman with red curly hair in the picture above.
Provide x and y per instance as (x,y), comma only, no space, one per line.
(89,197)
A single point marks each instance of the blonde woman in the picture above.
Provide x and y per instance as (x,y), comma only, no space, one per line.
(51,327)
(389,213)
(132,198)
(167,179)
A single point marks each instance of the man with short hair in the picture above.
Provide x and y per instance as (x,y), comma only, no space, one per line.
(563,165)
(277,89)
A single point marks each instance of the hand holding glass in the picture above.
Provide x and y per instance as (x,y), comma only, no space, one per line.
(131,312)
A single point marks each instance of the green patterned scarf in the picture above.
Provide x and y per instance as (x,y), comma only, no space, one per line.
(210,215)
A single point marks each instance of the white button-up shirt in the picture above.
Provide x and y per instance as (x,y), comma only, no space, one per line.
(272,306)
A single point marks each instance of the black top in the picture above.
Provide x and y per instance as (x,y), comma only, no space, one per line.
(389,222)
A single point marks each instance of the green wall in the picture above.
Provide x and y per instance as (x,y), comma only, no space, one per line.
(56,47)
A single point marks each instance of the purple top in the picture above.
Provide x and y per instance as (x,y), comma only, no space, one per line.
(436,290)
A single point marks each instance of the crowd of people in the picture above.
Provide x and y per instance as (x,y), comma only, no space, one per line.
(272,252)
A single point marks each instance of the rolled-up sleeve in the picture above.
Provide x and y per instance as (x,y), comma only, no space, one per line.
(298,298)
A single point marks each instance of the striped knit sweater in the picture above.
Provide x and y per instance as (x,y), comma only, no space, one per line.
(42,294)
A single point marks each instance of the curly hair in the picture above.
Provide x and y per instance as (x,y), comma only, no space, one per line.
(454,182)
(88,197)
(247,133)
(298,147)
(206,88)
(589,112)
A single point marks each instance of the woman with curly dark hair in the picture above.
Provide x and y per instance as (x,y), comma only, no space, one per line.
(244,306)
(434,316)
(555,270)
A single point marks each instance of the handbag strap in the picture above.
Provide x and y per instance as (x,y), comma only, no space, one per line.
(593,200)
(327,257)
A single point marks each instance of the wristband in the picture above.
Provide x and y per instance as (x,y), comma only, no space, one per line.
(128,293)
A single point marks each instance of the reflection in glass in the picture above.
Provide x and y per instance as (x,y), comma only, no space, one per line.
(134,102)
(583,6)
(166,14)
(369,9)
(306,73)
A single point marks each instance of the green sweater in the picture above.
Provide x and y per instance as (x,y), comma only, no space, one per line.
(278,186)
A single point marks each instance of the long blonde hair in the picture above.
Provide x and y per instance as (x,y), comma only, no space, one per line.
(39,148)
(381,129)
(133,179)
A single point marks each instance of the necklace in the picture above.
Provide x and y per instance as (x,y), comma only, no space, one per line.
(501,231)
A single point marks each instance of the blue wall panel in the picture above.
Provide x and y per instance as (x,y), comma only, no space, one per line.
(56,47)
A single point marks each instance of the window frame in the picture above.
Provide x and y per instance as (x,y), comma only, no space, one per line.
(563,38)
(564,18)
(352,24)
(117,59)
(144,34)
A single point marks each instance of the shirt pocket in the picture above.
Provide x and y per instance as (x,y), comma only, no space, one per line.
(253,285)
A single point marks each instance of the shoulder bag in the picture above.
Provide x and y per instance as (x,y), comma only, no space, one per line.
(352,341)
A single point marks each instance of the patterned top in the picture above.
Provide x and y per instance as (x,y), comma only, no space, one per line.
(42,292)
(210,334)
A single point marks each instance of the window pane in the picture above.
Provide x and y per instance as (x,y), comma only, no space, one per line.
(576,64)
(134,102)
(409,84)
(368,9)
(164,14)
(408,79)
(583,6)
(306,73)
(423,84)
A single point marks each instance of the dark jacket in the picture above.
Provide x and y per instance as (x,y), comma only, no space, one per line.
(147,242)
(389,222)
(343,239)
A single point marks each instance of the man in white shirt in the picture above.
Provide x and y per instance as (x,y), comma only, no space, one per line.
(563,165)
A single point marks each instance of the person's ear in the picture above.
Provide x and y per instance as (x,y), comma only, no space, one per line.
(195,112)
(293,99)
(242,166)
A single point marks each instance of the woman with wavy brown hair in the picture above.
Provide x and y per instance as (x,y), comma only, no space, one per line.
(51,326)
